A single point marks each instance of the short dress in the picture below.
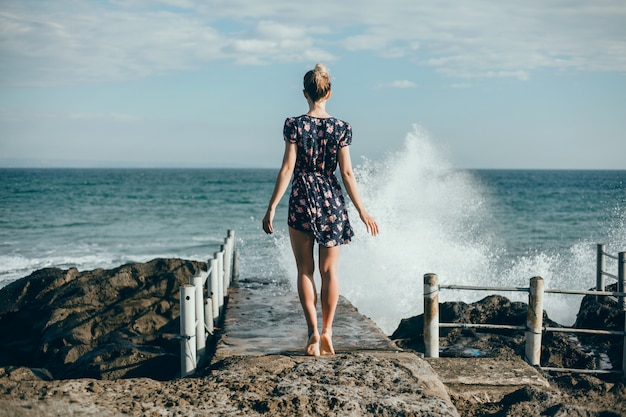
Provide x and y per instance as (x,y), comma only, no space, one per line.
(316,202)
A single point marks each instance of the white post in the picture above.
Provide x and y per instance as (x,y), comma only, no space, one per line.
(208,316)
(230,241)
(220,279)
(431,316)
(187,330)
(534,321)
(225,277)
(235,279)
(214,289)
(198,282)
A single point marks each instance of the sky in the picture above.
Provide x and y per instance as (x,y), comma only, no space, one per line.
(533,84)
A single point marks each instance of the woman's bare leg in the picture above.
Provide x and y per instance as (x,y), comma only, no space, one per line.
(302,245)
(329,261)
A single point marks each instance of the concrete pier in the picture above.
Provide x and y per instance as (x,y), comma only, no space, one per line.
(262,322)
(264,329)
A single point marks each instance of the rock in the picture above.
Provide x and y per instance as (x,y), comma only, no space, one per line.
(602,313)
(559,350)
(103,324)
(571,394)
(494,309)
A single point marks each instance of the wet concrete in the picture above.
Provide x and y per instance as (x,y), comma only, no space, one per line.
(262,322)
(261,348)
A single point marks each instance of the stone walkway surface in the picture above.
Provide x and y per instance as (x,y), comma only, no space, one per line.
(260,323)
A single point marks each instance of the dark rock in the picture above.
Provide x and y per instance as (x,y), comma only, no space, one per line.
(602,313)
(103,324)
(493,309)
(560,350)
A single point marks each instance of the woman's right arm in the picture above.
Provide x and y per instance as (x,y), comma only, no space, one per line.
(282,182)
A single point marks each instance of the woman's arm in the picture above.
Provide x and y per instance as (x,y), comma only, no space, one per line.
(282,182)
(349,181)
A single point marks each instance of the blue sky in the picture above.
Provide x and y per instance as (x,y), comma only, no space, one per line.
(184,83)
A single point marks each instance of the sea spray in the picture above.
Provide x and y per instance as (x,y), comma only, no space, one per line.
(430,218)
(436,218)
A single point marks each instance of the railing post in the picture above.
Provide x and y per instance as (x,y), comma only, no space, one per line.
(230,246)
(220,279)
(534,321)
(431,316)
(226,276)
(208,317)
(621,285)
(235,279)
(214,289)
(187,330)
(600,267)
(198,282)
(624,349)
(621,278)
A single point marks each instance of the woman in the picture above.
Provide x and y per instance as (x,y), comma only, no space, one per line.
(314,144)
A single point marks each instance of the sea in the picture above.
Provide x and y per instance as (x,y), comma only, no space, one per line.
(470,227)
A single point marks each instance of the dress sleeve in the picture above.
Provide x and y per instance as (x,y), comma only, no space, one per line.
(346,136)
(290,130)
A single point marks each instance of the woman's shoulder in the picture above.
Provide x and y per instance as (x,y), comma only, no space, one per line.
(307,118)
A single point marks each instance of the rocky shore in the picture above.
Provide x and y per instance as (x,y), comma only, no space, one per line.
(104,343)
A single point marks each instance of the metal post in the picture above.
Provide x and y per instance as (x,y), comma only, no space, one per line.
(600,266)
(187,330)
(198,282)
(230,241)
(621,284)
(220,279)
(621,278)
(431,316)
(534,321)
(214,287)
(235,279)
(225,248)
(208,317)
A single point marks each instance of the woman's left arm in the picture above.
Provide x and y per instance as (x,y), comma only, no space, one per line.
(349,181)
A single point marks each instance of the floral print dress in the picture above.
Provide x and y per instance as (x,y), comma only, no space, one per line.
(316,202)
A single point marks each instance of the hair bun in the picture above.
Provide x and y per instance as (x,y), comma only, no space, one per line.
(321,69)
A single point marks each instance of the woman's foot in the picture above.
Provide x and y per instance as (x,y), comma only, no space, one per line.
(326,343)
(313,345)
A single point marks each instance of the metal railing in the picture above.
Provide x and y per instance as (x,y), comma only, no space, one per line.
(202,304)
(601,272)
(534,327)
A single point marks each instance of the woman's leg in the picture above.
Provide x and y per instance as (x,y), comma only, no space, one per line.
(302,245)
(329,261)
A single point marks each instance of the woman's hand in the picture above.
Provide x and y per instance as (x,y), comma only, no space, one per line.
(370,223)
(267,222)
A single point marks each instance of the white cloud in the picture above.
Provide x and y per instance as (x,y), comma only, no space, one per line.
(402,84)
(70,41)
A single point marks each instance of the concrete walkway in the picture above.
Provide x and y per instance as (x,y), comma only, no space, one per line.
(263,322)
(263,339)
(268,323)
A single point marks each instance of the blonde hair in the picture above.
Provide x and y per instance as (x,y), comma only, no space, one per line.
(317,82)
